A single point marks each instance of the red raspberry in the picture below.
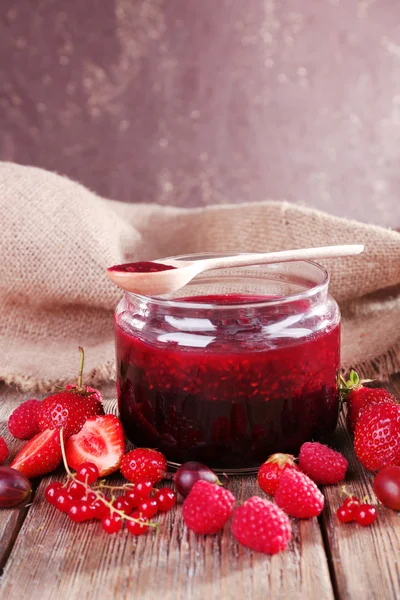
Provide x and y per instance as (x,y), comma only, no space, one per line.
(144,464)
(377,437)
(270,472)
(298,495)
(207,508)
(261,526)
(322,464)
(23,422)
(3,450)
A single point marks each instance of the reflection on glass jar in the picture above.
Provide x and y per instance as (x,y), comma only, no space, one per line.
(237,365)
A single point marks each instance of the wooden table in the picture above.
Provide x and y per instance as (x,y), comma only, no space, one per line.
(44,556)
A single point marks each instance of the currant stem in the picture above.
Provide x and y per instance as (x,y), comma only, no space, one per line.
(81,363)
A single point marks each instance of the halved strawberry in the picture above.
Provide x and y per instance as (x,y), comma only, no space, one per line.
(41,455)
(100,441)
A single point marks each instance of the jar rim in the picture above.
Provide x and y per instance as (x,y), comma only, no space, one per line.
(313,290)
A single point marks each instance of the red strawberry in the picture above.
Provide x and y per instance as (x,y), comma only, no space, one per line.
(207,508)
(71,407)
(100,441)
(377,437)
(270,472)
(3,450)
(41,455)
(359,397)
(23,422)
(144,464)
(322,464)
(261,526)
(298,495)
(68,409)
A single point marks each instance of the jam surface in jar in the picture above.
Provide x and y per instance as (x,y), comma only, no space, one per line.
(227,389)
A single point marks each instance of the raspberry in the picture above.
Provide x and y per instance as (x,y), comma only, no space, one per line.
(270,472)
(261,526)
(298,495)
(23,422)
(143,464)
(207,508)
(322,464)
(3,450)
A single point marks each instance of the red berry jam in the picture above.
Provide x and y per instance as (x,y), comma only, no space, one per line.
(141,267)
(227,379)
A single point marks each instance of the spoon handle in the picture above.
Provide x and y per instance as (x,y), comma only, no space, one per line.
(283,256)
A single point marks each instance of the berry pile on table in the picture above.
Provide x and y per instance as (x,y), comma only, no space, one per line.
(70,427)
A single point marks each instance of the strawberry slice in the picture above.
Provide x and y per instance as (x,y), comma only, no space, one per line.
(100,441)
(39,456)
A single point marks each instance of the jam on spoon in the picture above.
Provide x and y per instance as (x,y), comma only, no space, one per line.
(141,267)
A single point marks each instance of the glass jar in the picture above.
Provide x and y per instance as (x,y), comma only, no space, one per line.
(237,365)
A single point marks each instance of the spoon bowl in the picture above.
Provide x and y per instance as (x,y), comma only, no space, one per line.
(159,282)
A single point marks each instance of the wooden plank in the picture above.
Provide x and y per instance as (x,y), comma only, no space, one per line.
(10,519)
(55,558)
(364,561)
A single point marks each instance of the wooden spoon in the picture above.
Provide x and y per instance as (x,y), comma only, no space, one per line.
(171,280)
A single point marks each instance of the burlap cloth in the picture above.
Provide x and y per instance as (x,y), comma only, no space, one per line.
(57,239)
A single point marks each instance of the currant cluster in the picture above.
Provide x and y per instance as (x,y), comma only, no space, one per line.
(138,503)
(353,509)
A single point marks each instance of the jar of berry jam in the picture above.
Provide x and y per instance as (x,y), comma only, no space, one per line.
(238,364)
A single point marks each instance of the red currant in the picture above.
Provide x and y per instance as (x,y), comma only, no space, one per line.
(133,498)
(87,472)
(166,499)
(137,528)
(62,500)
(351,503)
(148,508)
(112,524)
(80,512)
(76,490)
(365,514)
(344,514)
(143,489)
(89,497)
(51,491)
(123,504)
(100,510)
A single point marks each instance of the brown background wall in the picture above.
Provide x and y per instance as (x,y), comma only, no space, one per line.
(191,102)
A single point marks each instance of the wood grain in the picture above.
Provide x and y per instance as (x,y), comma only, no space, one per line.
(80,561)
(86,563)
(10,519)
(49,557)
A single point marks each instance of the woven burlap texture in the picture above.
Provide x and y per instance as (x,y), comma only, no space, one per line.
(58,238)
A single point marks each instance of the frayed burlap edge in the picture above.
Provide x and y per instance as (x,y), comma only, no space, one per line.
(102,374)
(379,368)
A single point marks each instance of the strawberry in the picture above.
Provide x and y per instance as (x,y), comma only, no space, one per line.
(261,526)
(144,464)
(100,441)
(71,407)
(377,437)
(207,508)
(322,464)
(270,472)
(359,397)
(23,421)
(3,450)
(39,456)
(298,495)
